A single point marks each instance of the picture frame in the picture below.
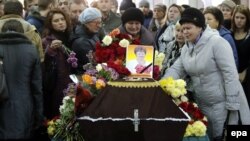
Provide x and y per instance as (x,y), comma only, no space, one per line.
(140,60)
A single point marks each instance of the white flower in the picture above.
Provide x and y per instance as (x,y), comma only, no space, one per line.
(105,64)
(204,118)
(107,40)
(65,99)
(61,108)
(124,43)
(184,99)
(195,105)
(98,67)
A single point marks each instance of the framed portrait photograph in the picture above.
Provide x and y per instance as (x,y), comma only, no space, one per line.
(140,60)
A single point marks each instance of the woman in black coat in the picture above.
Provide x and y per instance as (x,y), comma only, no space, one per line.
(22,112)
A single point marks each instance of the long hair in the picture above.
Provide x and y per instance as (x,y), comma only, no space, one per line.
(48,22)
(245,11)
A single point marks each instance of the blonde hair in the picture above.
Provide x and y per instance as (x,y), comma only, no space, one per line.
(177,25)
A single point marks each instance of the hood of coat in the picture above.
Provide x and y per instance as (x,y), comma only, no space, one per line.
(223,31)
(13,38)
(29,30)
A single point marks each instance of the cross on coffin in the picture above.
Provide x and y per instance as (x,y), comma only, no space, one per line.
(136,120)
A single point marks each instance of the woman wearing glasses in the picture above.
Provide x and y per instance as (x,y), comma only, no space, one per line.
(86,35)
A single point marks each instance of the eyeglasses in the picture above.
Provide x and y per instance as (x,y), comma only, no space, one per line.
(97,22)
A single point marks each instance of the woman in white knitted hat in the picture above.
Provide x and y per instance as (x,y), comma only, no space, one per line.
(86,35)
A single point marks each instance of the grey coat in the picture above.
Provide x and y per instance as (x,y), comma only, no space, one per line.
(210,64)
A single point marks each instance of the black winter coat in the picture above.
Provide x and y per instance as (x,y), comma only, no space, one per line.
(23,110)
(82,42)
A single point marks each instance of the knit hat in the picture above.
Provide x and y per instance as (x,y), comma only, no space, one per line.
(228,3)
(144,3)
(89,14)
(125,4)
(161,6)
(193,15)
(132,14)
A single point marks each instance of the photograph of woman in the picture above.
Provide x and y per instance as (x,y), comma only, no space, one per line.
(139,64)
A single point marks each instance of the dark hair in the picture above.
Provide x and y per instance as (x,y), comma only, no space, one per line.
(13,7)
(13,26)
(185,6)
(243,10)
(126,4)
(216,12)
(140,49)
(43,4)
(48,21)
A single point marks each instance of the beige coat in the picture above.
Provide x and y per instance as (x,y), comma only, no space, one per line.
(29,30)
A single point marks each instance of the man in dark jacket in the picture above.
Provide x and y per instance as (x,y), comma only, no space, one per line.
(22,113)
(37,15)
(148,14)
(85,36)
(110,20)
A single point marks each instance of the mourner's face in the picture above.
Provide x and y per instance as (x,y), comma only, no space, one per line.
(173,14)
(31,4)
(211,21)
(191,31)
(95,25)
(58,22)
(240,20)
(158,13)
(63,5)
(133,27)
(226,12)
(104,5)
(145,10)
(179,35)
(76,10)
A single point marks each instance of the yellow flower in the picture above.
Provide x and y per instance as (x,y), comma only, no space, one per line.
(100,84)
(199,128)
(189,131)
(175,93)
(159,57)
(51,130)
(87,78)
(183,91)
(180,83)
(167,84)
(50,123)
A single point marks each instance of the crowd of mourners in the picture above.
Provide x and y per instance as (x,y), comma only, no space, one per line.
(208,47)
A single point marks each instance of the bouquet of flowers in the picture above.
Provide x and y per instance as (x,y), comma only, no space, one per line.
(91,83)
(77,98)
(176,89)
(112,50)
(65,127)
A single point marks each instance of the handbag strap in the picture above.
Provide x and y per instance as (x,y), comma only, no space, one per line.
(1,53)
(227,119)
